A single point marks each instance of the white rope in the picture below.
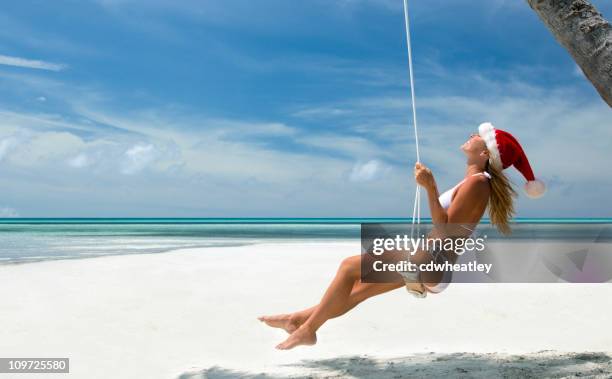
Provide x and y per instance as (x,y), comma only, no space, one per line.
(414,118)
(416,211)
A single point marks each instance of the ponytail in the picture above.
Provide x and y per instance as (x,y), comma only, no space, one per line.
(501,202)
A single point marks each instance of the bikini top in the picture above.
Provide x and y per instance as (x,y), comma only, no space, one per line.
(446,197)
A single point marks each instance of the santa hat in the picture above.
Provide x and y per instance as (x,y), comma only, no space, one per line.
(505,151)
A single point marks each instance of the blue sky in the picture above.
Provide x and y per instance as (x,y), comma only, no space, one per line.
(138,108)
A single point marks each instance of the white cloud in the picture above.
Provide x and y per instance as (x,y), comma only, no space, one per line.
(321,112)
(137,158)
(185,152)
(244,129)
(6,212)
(6,145)
(79,161)
(19,121)
(43,148)
(370,170)
(336,143)
(30,63)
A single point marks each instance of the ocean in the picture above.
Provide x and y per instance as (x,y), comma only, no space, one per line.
(25,240)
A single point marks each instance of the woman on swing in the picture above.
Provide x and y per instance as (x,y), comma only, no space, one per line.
(487,152)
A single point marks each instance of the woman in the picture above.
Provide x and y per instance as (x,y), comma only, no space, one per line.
(487,152)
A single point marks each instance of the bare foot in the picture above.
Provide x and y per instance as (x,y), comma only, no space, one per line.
(302,336)
(285,321)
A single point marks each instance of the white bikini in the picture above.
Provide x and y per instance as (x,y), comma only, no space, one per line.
(445,201)
(446,197)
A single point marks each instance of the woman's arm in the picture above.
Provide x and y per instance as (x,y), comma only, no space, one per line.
(439,215)
(425,178)
(468,205)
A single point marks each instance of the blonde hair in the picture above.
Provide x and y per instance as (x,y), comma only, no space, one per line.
(501,202)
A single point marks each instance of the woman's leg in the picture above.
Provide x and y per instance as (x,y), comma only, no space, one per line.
(336,301)
(360,292)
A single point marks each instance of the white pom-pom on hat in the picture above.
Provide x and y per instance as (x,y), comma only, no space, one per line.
(535,188)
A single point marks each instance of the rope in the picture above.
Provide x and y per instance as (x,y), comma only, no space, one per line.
(416,211)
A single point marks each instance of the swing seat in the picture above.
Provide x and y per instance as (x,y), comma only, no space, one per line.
(420,295)
(411,277)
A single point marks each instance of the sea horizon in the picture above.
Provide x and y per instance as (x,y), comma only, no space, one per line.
(274,220)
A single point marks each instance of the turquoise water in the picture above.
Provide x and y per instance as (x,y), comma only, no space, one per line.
(28,240)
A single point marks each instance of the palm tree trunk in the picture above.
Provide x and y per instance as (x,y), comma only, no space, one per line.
(581,29)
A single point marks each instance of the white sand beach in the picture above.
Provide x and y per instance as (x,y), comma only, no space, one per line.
(192,314)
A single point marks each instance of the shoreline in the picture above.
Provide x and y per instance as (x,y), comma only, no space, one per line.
(11,261)
(162,315)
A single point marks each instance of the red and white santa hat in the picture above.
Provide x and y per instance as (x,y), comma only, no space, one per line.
(505,151)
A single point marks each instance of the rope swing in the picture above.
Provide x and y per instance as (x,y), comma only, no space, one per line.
(416,211)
